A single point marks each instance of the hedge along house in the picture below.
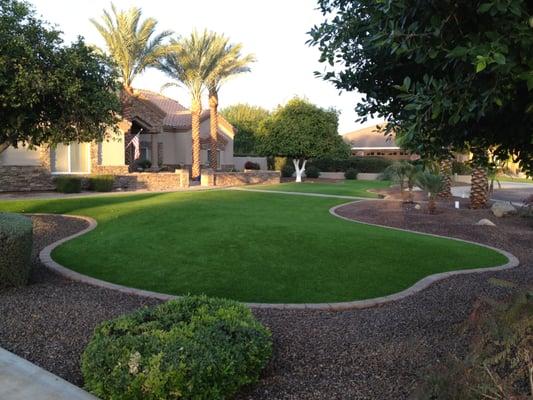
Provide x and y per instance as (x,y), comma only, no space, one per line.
(164,128)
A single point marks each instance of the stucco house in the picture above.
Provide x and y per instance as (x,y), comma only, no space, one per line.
(165,140)
(370,142)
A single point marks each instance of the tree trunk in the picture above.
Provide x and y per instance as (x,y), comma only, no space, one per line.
(479,188)
(299,171)
(3,146)
(213,129)
(432,205)
(196,109)
(446,172)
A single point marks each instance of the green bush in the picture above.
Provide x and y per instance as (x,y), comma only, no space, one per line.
(15,249)
(142,164)
(193,348)
(351,173)
(68,184)
(312,172)
(277,163)
(461,168)
(287,171)
(101,183)
(361,164)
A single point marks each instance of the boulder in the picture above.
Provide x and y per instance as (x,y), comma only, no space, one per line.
(417,207)
(501,209)
(485,222)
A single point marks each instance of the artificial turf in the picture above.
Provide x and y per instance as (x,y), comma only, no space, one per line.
(255,247)
(342,188)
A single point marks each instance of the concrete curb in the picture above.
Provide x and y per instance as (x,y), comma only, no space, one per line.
(46,259)
(333,196)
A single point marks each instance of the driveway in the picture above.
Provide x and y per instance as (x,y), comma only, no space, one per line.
(515,192)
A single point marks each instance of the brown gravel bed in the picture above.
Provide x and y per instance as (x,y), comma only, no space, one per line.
(376,353)
(50,321)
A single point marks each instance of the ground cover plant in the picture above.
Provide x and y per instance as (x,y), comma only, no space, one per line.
(192,348)
(256,247)
(15,249)
(343,188)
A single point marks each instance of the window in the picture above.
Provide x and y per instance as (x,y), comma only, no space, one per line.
(205,157)
(71,159)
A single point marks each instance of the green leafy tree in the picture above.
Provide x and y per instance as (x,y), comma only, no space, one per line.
(230,62)
(301,130)
(443,74)
(247,120)
(50,93)
(133,45)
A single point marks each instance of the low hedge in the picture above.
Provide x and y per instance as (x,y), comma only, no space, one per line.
(193,348)
(312,172)
(68,184)
(351,174)
(361,164)
(16,236)
(101,183)
(251,165)
(287,170)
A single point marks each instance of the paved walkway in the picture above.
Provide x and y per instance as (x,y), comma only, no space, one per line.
(514,192)
(22,380)
(335,196)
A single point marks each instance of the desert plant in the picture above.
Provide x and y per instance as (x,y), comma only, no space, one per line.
(461,168)
(68,184)
(101,183)
(15,249)
(312,172)
(351,173)
(251,165)
(431,183)
(193,348)
(402,172)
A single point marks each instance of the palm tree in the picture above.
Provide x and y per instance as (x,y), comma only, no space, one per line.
(230,62)
(402,171)
(479,184)
(446,166)
(132,44)
(191,61)
(432,184)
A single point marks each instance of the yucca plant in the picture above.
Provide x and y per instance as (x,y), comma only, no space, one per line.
(229,62)
(432,184)
(133,45)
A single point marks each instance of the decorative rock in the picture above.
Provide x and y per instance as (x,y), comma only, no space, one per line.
(485,222)
(501,209)
(418,207)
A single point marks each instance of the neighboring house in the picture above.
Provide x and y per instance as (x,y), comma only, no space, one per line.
(165,140)
(370,142)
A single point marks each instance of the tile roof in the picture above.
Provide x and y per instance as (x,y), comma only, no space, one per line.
(369,137)
(177,117)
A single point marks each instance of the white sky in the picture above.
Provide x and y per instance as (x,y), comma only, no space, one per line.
(274,30)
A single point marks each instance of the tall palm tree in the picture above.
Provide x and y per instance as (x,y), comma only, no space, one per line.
(191,61)
(229,63)
(479,185)
(132,44)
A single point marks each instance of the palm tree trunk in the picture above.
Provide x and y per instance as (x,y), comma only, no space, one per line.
(446,172)
(213,128)
(479,188)
(196,109)
(432,205)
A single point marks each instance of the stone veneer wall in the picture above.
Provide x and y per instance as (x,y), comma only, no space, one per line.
(153,181)
(14,178)
(246,178)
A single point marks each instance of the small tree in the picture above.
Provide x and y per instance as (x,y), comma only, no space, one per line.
(402,172)
(432,184)
(301,130)
(246,119)
(50,93)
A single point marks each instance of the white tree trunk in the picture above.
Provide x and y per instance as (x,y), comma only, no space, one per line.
(299,171)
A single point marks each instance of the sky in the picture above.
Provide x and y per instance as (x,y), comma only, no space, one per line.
(275,31)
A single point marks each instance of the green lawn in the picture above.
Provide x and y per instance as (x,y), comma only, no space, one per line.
(248,246)
(519,180)
(343,188)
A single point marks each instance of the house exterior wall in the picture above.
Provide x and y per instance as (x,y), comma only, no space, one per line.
(21,156)
(27,176)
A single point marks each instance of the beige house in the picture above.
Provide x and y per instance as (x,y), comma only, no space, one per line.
(369,142)
(164,128)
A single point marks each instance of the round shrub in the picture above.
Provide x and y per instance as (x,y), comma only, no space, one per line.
(251,165)
(193,348)
(101,183)
(351,173)
(312,172)
(287,170)
(15,249)
(68,184)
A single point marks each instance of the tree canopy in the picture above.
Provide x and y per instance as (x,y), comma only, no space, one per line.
(302,130)
(246,119)
(50,93)
(442,73)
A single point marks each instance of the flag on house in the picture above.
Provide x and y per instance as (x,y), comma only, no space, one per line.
(136,147)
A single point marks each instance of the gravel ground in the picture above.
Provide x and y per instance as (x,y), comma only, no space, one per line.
(376,353)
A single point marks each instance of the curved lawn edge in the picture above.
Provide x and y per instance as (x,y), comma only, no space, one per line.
(45,257)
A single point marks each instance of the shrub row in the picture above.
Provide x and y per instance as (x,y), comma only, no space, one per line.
(193,348)
(251,165)
(73,184)
(15,249)
(361,164)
